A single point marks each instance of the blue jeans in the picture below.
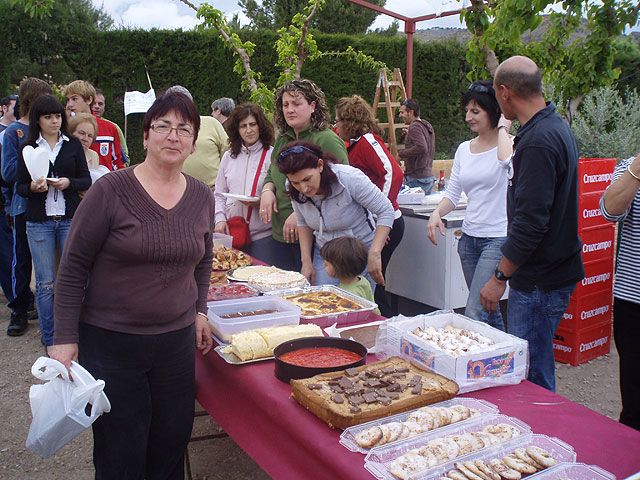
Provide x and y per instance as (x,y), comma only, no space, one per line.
(479,258)
(534,317)
(43,237)
(280,254)
(21,268)
(425,183)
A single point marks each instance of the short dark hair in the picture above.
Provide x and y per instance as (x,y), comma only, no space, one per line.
(178,102)
(44,105)
(484,95)
(348,255)
(240,113)
(30,89)
(8,99)
(307,158)
(525,84)
(412,104)
(99,92)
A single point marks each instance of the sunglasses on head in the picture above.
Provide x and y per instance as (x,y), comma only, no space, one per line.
(295,150)
(476,87)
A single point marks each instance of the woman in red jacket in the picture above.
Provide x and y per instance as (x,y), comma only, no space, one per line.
(356,125)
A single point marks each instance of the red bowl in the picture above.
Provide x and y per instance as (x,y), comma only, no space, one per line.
(285,371)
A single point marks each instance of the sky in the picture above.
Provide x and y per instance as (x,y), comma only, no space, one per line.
(149,14)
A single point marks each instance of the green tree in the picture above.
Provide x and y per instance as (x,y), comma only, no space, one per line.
(35,42)
(576,64)
(337,16)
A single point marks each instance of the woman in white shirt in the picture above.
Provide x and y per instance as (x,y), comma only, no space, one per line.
(480,169)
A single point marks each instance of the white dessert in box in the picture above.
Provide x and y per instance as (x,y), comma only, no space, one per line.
(502,360)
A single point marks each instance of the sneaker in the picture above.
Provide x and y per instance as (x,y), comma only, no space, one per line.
(17,325)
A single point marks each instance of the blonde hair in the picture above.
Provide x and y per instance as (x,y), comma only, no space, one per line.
(357,116)
(79,118)
(82,88)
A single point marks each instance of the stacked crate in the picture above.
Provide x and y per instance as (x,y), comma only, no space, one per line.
(585,329)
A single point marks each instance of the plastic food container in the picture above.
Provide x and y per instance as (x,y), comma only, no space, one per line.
(222,239)
(229,291)
(287,314)
(379,458)
(575,471)
(341,318)
(506,362)
(348,435)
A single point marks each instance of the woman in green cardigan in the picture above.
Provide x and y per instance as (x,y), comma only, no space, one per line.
(301,113)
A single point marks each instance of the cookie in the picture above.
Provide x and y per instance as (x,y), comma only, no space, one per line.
(456,475)
(368,437)
(466,472)
(414,428)
(395,430)
(423,418)
(445,414)
(464,444)
(512,461)
(406,464)
(476,442)
(438,452)
(502,430)
(447,444)
(386,433)
(484,468)
(405,431)
(503,470)
(541,456)
(473,468)
(522,454)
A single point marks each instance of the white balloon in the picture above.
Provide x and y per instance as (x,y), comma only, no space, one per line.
(37,162)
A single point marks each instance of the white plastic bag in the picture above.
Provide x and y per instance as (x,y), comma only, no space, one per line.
(58,406)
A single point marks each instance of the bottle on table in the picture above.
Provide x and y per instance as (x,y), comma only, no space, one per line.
(441,181)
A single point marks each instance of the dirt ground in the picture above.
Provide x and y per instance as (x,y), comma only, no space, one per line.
(594,384)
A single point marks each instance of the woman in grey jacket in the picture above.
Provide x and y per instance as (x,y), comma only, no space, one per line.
(332,200)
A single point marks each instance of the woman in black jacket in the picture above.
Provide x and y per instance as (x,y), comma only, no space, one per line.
(52,200)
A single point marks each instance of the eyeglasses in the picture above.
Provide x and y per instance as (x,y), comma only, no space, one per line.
(166,130)
(296,150)
(476,87)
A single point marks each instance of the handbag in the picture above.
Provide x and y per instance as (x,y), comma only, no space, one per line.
(238,226)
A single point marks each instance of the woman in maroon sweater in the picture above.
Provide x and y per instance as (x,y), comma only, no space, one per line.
(131,297)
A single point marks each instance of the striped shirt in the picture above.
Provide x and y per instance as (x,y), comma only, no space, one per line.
(628,266)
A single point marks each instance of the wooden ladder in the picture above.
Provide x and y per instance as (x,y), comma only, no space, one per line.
(394,94)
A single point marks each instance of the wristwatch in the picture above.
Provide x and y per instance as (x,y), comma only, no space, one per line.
(500,275)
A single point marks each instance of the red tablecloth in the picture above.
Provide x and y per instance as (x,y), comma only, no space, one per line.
(288,442)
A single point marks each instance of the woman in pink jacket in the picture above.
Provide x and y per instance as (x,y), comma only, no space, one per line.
(250,138)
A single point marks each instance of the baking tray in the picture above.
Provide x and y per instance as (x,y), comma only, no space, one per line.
(342,318)
(575,471)
(233,360)
(378,458)
(347,439)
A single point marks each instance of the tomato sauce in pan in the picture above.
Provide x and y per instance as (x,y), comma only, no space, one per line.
(320,357)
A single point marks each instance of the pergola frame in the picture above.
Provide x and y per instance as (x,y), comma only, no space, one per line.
(409,29)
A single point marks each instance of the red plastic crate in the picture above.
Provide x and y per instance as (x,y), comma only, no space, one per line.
(589,214)
(587,311)
(598,243)
(594,174)
(598,277)
(575,348)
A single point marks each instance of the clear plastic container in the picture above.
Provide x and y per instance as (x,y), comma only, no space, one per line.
(222,239)
(347,439)
(230,291)
(287,314)
(379,458)
(575,471)
(341,318)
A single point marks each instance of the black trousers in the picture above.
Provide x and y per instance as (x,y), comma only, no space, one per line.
(626,332)
(150,382)
(21,267)
(380,295)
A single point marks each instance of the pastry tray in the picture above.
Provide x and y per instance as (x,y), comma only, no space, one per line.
(341,318)
(575,471)
(378,458)
(347,439)
(233,360)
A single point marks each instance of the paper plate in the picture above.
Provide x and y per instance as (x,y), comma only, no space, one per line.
(244,198)
(37,162)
